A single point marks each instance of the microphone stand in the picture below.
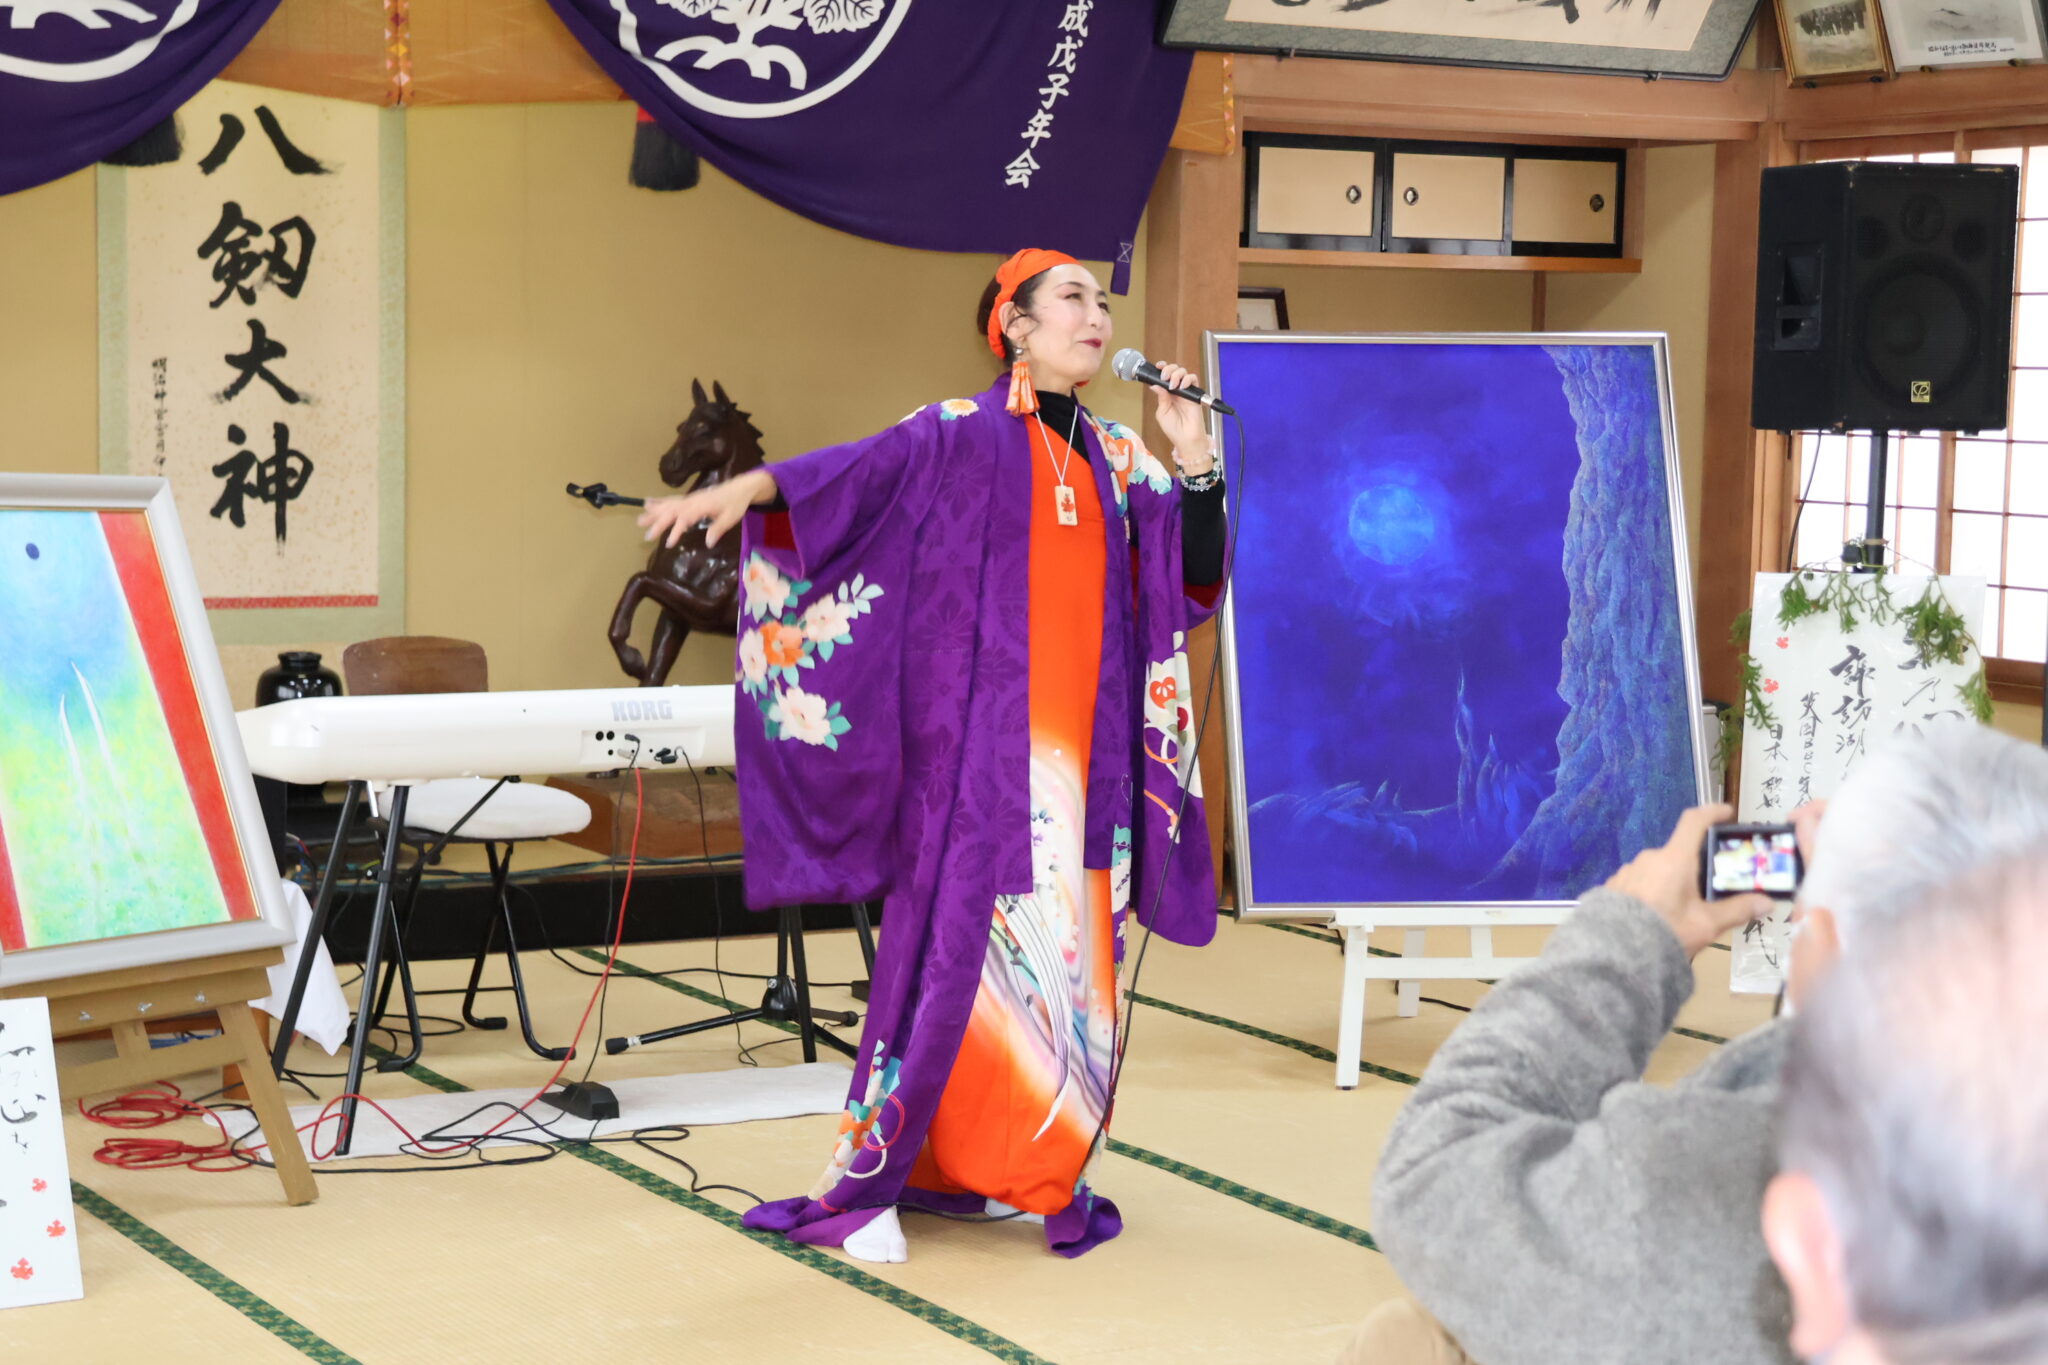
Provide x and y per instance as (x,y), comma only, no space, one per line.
(787,999)
(597,495)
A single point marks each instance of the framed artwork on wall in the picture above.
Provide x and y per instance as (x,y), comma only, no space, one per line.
(1459,657)
(129,830)
(1261,308)
(1934,33)
(1833,40)
(1687,38)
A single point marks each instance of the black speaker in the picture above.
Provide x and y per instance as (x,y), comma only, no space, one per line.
(1884,297)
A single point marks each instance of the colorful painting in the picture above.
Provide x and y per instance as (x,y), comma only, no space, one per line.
(1459,631)
(114,816)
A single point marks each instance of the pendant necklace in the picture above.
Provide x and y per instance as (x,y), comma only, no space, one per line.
(1062,496)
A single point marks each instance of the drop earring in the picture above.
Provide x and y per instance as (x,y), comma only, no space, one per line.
(1023,393)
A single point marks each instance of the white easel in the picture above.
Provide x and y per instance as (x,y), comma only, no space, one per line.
(1357,925)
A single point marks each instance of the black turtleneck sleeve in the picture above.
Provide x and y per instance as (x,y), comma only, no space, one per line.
(1203,530)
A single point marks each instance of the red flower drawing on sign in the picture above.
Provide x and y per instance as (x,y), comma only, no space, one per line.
(23,1271)
(1784,642)
(1770,684)
(39,1185)
(56,1229)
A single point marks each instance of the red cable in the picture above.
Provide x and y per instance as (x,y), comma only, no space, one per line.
(151,1108)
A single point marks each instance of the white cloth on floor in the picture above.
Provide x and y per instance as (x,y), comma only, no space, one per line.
(324,1013)
(733,1095)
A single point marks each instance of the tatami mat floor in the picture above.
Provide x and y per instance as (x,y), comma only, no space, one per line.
(1243,1174)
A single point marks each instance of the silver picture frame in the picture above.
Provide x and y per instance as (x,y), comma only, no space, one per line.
(269,929)
(1244,852)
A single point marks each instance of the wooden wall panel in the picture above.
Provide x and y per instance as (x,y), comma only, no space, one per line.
(1191,287)
(1743,483)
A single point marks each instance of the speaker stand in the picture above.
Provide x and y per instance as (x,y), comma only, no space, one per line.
(1867,554)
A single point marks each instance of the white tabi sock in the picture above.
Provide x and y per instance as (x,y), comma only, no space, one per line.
(996,1208)
(880,1242)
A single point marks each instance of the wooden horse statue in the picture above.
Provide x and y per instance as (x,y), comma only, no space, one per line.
(696,586)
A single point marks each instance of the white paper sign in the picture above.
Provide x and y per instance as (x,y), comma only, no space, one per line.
(38,1229)
(1832,694)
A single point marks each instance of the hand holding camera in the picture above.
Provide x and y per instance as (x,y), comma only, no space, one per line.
(1739,859)
(1669,880)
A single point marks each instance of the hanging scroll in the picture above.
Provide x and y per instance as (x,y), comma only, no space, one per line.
(251,354)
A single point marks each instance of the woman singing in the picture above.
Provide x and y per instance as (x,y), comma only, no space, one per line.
(964,691)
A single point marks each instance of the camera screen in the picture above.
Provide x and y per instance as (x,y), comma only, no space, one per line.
(1765,860)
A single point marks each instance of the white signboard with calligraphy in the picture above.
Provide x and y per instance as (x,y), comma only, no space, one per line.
(1832,694)
(38,1227)
(252,354)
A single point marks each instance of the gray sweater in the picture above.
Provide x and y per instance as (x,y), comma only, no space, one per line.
(1547,1205)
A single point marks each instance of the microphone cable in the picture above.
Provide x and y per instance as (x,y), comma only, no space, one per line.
(1129,987)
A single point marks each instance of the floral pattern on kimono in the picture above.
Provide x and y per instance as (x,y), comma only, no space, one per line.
(923,802)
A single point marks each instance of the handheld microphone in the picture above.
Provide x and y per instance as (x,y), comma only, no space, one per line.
(1130,363)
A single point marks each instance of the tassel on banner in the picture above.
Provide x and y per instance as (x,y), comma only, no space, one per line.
(659,161)
(158,147)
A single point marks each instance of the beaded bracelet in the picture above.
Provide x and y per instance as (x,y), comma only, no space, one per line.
(1202,483)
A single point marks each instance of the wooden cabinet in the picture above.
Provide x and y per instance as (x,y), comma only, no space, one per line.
(1314,194)
(1488,205)
(1560,202)
(1448,197)
(1318,192)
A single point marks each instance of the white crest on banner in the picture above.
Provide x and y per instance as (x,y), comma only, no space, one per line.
(1832,693)
(90,14)
(776,64)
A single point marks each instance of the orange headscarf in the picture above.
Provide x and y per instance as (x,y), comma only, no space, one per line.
(1011,273)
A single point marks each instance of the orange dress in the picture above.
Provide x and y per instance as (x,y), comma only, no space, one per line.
(1027,1095)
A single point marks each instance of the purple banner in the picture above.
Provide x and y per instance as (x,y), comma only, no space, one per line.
(939,124)
(81,79)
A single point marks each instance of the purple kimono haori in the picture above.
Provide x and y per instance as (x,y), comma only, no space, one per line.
(964,692)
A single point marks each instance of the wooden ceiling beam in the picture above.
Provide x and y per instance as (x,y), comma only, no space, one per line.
(1917,102)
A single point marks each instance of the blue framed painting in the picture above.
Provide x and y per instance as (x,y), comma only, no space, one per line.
(1459,645)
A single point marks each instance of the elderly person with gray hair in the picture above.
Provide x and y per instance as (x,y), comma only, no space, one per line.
(1910,1220)
(1541,1202)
